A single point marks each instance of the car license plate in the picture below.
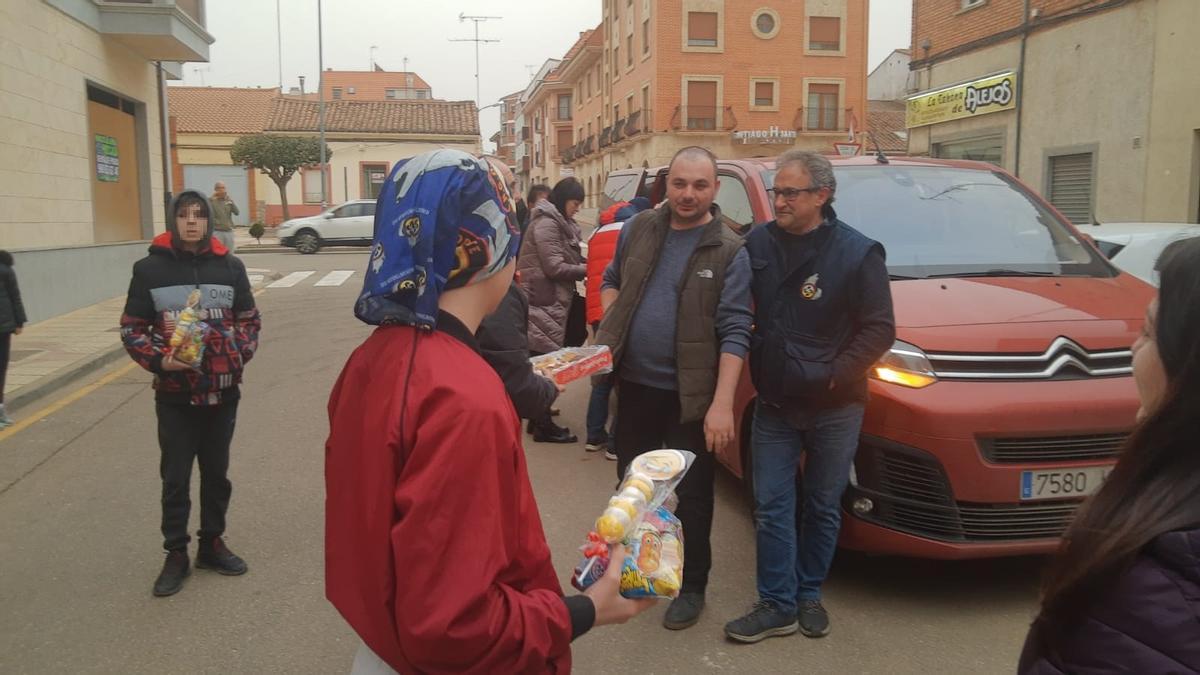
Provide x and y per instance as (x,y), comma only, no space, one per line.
(1062,483)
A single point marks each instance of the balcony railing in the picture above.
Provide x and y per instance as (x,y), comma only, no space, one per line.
(618,130)
(606,137)
(703,118)
(824,120)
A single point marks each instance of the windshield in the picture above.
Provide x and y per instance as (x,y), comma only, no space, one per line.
(942,221)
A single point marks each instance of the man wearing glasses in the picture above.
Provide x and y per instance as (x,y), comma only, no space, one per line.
(823,316)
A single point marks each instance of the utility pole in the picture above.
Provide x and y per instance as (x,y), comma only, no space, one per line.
(321,101)
(279,44)
(478,20)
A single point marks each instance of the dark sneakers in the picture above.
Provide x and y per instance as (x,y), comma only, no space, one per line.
(684,611)
(175,569)
(765,620)
(214,555)
(549,432)
(814,620)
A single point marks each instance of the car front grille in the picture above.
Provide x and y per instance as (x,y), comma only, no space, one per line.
(912,494)
(1051,449)
(1063,360)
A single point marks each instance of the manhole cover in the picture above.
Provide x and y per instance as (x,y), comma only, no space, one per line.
(18,354)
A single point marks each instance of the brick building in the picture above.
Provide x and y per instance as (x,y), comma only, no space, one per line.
(506,138)
(743,78)
(1088,101)
(374,85)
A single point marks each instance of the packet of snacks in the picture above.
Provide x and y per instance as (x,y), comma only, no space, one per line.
(640,517)
(572,363)
(187,341)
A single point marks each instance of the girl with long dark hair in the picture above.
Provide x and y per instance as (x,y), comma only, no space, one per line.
(1123,594)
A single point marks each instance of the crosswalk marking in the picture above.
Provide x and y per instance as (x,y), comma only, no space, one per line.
(255,279)
(335,278)
(291,279)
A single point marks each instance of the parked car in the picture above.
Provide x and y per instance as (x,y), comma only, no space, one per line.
(349,224)
(1008,392)
(1135,247)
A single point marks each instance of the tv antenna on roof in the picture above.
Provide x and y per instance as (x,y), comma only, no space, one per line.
(477,20)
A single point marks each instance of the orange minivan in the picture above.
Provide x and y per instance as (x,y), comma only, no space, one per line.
(1008,391)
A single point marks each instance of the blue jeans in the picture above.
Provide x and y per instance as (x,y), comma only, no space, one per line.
(793,562)
(597,411)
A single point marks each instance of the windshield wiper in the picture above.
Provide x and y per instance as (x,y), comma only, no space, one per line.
(999,272)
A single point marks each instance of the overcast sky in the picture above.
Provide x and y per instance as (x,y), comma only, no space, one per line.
(531,31)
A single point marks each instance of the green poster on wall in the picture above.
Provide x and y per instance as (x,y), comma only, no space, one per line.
(108,162)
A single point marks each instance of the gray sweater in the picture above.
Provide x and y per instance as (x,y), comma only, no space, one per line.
(650,357)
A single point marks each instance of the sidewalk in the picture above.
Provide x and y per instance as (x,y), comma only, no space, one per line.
(56,352)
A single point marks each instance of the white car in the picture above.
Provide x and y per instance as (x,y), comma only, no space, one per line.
(349,224)
(1135,247)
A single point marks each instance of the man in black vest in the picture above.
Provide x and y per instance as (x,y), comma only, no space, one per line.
(823,317)
(676,301)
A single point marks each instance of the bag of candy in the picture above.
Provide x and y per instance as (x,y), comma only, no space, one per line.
(639,516)
(187,340)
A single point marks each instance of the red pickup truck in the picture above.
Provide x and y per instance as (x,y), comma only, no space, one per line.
(1008,392)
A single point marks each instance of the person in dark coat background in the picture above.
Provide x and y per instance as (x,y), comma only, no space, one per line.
(536,194)
(12,322)
(504,344)
(1123,594)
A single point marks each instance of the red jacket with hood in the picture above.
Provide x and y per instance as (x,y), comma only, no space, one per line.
(434,549)
(158,292)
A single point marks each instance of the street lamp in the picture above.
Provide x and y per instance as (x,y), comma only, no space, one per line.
(321,102)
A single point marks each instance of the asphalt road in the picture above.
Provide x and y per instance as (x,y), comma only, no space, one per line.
(79,540)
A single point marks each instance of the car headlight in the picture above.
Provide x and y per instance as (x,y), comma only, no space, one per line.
(904,365)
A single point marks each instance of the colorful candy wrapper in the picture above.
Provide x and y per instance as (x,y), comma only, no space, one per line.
(187,340)
(572,363)
(639,516)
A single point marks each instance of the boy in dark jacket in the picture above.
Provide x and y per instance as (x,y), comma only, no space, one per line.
(196,407)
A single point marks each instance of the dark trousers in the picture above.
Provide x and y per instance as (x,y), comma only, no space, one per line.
(648,419)
(187,434)
(5,345)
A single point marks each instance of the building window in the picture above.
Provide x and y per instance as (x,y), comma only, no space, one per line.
(629,50)
(311,179)
(646,36)
(393,93)
(422,93)
(983,149)
(616,113)
(337,92)
(702,29)
(350,90)
(646,104)
(616,59)
(822,107)
(825,33)
(372,179)
(1070,183)
(589,85)
(968,4)
(765,23)
(564,107)
(701,105)
(764,94)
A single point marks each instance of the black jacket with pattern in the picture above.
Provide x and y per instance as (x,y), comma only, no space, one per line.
(159,290)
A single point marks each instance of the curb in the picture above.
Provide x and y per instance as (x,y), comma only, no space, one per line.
(63,377)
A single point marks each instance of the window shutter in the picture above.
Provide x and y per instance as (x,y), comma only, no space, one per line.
(702,26)
(824,32)
(764,93)
(1071,186)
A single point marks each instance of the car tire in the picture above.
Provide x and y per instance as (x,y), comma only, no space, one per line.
(307,242)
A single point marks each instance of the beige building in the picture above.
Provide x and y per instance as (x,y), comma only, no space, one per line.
(1103,119)
(366,138)
(81,134)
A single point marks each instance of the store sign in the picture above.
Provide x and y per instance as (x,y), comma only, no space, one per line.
(994,93)
(108,162)
(770,136)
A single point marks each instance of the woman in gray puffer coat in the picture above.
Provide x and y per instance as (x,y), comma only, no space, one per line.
(550,263)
